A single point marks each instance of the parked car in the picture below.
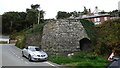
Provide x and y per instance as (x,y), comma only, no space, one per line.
(34,53)
(114,64)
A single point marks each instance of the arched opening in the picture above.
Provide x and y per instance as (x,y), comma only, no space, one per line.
(85,44)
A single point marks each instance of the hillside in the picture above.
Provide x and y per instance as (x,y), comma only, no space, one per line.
(29,36)
(104,37)
(33,35)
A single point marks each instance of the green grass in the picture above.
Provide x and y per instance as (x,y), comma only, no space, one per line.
(3,42)
(82,59)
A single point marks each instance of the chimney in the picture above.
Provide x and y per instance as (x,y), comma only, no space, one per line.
(96,7)
(96,11)
(89,12)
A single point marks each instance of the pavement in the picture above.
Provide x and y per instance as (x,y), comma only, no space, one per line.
(12,58)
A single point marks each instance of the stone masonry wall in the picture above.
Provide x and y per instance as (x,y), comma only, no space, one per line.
(62,36)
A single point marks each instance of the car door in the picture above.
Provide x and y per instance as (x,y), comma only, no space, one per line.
(26,52)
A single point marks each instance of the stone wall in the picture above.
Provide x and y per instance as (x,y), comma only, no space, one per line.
(33,39)
(62,36)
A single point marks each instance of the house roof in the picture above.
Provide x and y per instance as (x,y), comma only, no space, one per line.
(4,37)
(95,16)
(92,16)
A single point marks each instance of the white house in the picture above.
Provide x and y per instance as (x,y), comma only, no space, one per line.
(4,38)
(96,17)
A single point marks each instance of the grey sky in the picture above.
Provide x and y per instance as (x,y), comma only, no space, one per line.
(51,7)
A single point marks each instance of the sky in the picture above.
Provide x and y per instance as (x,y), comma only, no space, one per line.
(51,7)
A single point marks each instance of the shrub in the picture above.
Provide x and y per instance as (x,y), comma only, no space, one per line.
(108,37)
(20,41)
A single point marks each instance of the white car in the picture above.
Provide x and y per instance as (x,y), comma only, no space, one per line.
(34,53)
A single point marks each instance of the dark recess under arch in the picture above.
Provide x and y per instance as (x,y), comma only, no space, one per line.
(85,44)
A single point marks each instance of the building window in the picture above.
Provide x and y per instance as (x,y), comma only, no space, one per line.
(97,19)
(105,18)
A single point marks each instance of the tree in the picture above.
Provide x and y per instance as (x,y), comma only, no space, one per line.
(85,11)
(31,16)
(75,14)
(115,13)
(62,15)
(109,36)
(17,21)
(35,7)
(13,22)
(34,15)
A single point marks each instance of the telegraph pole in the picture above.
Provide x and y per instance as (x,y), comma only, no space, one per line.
(38,16)
(11,23)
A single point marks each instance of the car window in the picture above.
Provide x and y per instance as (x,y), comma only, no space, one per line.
(26,47)
(32,49)
(37,49)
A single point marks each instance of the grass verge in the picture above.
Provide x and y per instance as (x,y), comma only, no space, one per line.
(81,59)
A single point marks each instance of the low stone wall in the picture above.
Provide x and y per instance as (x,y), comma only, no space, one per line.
(62,36)
(13,41)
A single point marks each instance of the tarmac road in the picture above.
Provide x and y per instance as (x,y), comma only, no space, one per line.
(11,57)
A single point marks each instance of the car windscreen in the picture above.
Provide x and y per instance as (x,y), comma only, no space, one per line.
(37,49)
(32,49)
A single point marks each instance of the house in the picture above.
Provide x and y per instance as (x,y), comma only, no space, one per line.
(96,17)
(4,39)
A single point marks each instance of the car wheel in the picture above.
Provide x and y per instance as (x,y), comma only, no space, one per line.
(29,58)
(23,54)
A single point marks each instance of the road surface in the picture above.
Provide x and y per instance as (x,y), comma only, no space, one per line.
(11,57)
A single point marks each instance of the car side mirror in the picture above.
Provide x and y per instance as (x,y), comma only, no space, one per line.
(26,48)
(115,58)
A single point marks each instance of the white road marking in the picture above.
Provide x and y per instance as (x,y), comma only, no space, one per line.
(13,53)
(51,64)
(18,57)
(22,59)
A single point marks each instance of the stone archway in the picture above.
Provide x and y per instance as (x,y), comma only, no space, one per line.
(85,44)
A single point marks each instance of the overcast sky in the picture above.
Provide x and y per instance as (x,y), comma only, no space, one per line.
(51,7)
